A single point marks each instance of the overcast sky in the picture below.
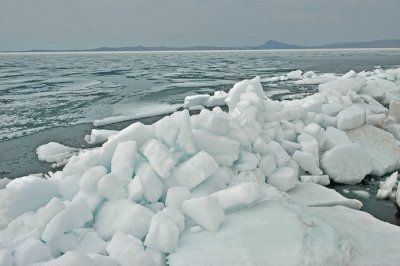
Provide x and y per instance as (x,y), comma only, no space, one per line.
(77,24)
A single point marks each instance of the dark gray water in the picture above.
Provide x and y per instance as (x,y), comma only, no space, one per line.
(40,91)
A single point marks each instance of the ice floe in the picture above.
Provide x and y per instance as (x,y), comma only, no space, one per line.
(54,152)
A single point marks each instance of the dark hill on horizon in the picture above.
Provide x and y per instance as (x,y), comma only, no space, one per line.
(269,45)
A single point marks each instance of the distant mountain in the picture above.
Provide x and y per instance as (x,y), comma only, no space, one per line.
(141,48)
(160,48)
(391,43)
(269,45)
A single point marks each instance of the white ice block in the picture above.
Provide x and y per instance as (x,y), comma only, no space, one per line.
(111,187)
(247,161)
(351,117)
(135,189)
(381,146)
(128,250)
(185,137)
(214,122)
(28,193)
(307,162)
(159,157)
(91,177)
(176,216)
(167,130)
(195,170)
(6,258)
(386,187)
(151,183)
(123,160)
(281,156)
(99,136)
(283,178)
(290,146)
(239,196)
(394,110)
(123,215)
(54,152)
(224,149)
(75,258)
(31,251)
(163,234)
(317,179)
(205,211)
(347,163)
(334,137)
(295,75)
(267,164)
(176,196)
(74,216)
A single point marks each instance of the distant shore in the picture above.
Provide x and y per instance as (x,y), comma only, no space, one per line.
(268,45)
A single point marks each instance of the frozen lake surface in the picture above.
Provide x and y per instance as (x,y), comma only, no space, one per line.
(40,91)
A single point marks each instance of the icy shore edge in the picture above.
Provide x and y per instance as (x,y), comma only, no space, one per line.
(242,187)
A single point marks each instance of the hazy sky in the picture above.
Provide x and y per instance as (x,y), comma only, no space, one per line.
(69,24)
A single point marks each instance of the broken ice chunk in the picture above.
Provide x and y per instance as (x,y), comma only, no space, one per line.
(205,211)
(283,178)
(159,157)
(163,234)
(123,160)
(347,164)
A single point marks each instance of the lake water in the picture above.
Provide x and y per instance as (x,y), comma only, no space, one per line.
(39,91)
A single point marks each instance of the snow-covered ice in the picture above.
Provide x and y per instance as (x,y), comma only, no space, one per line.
(154,110)
(314,195)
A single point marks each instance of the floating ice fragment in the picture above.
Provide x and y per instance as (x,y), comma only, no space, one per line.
(54,152)
(98,136)
(386,187)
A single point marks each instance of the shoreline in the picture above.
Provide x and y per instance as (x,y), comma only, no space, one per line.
(18,157)
(22,160)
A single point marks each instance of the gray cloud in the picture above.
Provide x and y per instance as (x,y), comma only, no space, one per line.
(68,24)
